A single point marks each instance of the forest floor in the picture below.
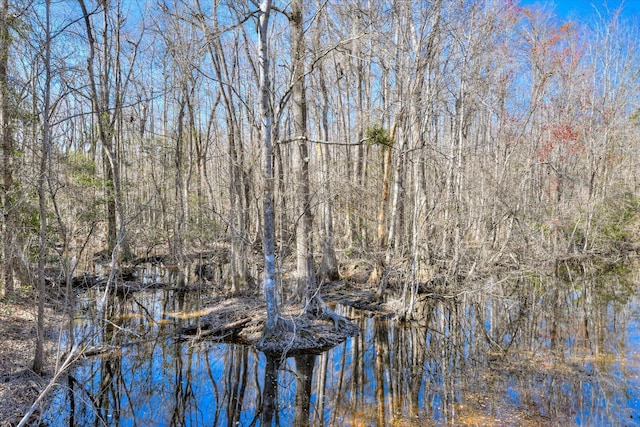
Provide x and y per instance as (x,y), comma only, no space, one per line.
(19,385)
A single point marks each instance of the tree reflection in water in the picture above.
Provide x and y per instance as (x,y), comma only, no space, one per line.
(532,351)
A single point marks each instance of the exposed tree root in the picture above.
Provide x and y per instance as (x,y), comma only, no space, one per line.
(278,339)
(317,329)
(305,335)
(320,310)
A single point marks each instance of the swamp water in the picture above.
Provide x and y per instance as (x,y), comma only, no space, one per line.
(525,351)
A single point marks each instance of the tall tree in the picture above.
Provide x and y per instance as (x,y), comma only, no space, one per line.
(329,265)
(107,108)
(308,286)
(266,119)
(304,223)
(238,179)
(6,139)
(38,361)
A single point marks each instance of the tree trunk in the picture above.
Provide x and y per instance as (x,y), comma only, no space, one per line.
(305,276)
(8,214)
(394,220)
(38,360)
(237,210)
(329,265)
(179,217)
(307,283)
(386,176)
(268,243)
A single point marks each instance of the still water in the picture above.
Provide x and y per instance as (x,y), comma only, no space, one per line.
(521,350)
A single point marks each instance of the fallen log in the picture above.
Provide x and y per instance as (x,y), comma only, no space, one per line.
(225,330)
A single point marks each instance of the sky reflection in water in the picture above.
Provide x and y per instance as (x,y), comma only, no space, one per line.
(512,353)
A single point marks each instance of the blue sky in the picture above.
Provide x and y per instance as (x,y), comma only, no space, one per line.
(584,9)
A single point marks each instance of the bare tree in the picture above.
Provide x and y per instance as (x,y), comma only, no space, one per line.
(266,119)
(224,62)
(107,108)
(8,208)
(308,287)
(38,360)
(328,269)
(305,271)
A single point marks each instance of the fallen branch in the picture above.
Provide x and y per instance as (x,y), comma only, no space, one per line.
(228,329)
(74,354)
